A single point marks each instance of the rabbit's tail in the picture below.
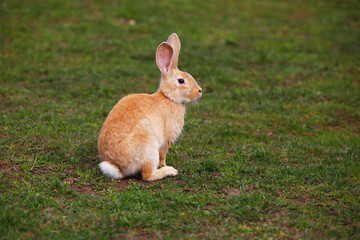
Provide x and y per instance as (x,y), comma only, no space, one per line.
(110,170)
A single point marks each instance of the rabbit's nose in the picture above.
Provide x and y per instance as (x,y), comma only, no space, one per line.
(200,90)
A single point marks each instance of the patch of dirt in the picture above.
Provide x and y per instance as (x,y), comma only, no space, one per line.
(91,163)
(3,136)
(121,184)
(4,165)
(30,235)
(342,119)
(233,192)
(10,172)
(348,119)
(87,191)
(82,189)
(71,180)
(139,234)
(250,188)
(46,170)
(237,192)
(292,81)
(9,169)
(270,134)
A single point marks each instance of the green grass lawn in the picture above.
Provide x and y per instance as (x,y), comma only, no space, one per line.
(270,151)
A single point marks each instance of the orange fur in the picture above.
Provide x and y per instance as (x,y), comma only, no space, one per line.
(136,135)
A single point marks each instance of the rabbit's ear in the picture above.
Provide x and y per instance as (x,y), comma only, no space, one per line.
(174,42)
(164,55)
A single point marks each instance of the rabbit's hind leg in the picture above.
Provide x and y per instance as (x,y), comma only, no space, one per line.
(151,173)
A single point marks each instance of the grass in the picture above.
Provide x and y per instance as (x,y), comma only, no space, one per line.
(270,151)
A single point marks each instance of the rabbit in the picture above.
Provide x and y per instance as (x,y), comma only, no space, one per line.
(139,130)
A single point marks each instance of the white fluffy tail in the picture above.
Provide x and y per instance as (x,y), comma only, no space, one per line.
(110,170)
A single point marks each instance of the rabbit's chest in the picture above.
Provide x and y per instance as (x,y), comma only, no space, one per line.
(173,130)
(174,125)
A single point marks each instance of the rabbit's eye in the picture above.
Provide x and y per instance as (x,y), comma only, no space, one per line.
(181,81)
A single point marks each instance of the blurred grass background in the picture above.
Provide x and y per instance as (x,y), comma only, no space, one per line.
(270,151)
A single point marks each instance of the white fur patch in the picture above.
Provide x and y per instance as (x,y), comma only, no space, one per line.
(110,170)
